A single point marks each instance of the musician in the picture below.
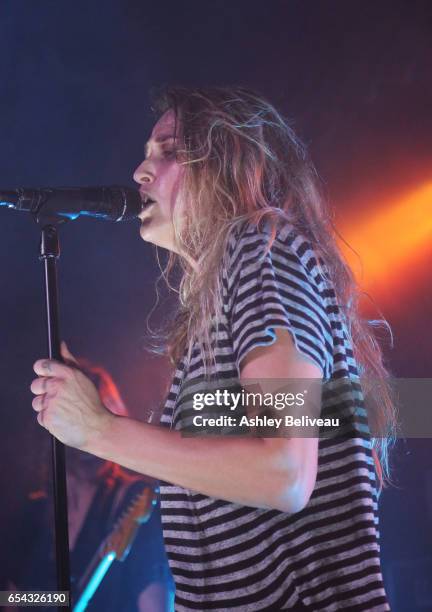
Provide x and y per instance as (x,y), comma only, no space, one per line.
(250,523)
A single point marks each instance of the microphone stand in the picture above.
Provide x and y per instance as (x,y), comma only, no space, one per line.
(49,252)
(50,208)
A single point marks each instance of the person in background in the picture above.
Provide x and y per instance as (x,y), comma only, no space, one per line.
(99,494)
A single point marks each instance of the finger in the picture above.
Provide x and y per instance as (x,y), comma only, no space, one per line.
(38,403)
(40,418)
(40,385)
(66,354)
(50,367)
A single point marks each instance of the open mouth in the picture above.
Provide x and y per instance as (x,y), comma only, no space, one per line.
(147,202)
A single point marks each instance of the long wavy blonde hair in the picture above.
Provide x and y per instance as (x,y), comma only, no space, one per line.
(242,161)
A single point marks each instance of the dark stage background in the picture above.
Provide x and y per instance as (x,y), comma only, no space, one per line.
(356,78)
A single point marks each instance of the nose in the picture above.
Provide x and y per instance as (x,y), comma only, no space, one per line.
(143,174)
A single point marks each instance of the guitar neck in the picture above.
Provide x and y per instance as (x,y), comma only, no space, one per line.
(116,545)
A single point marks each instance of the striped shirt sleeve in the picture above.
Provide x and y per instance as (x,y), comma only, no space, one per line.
(273,290)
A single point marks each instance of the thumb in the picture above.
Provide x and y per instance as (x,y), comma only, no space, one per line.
(66,354)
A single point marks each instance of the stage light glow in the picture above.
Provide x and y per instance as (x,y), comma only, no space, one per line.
(398,235)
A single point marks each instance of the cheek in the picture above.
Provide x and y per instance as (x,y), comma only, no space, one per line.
(167,209)
(175,177)
(167,190)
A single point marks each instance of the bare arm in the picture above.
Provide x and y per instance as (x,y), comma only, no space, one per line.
(265,473)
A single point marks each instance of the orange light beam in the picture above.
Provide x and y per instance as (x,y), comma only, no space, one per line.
(390,239)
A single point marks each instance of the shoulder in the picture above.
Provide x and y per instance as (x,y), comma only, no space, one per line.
(282,246)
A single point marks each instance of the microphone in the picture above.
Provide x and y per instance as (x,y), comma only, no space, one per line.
(113,203)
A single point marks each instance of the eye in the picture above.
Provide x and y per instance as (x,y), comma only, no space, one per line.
(170,153)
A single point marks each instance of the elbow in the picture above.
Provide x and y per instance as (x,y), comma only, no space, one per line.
(294,496)
(294,480)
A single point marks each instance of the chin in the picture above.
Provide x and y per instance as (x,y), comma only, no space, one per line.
(147,233)
(152,233)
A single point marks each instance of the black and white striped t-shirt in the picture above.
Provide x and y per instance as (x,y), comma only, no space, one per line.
(225,556)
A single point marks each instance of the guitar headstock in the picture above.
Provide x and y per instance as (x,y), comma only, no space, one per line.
(138,512)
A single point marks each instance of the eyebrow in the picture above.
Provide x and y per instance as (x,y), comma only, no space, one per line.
(160,139)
